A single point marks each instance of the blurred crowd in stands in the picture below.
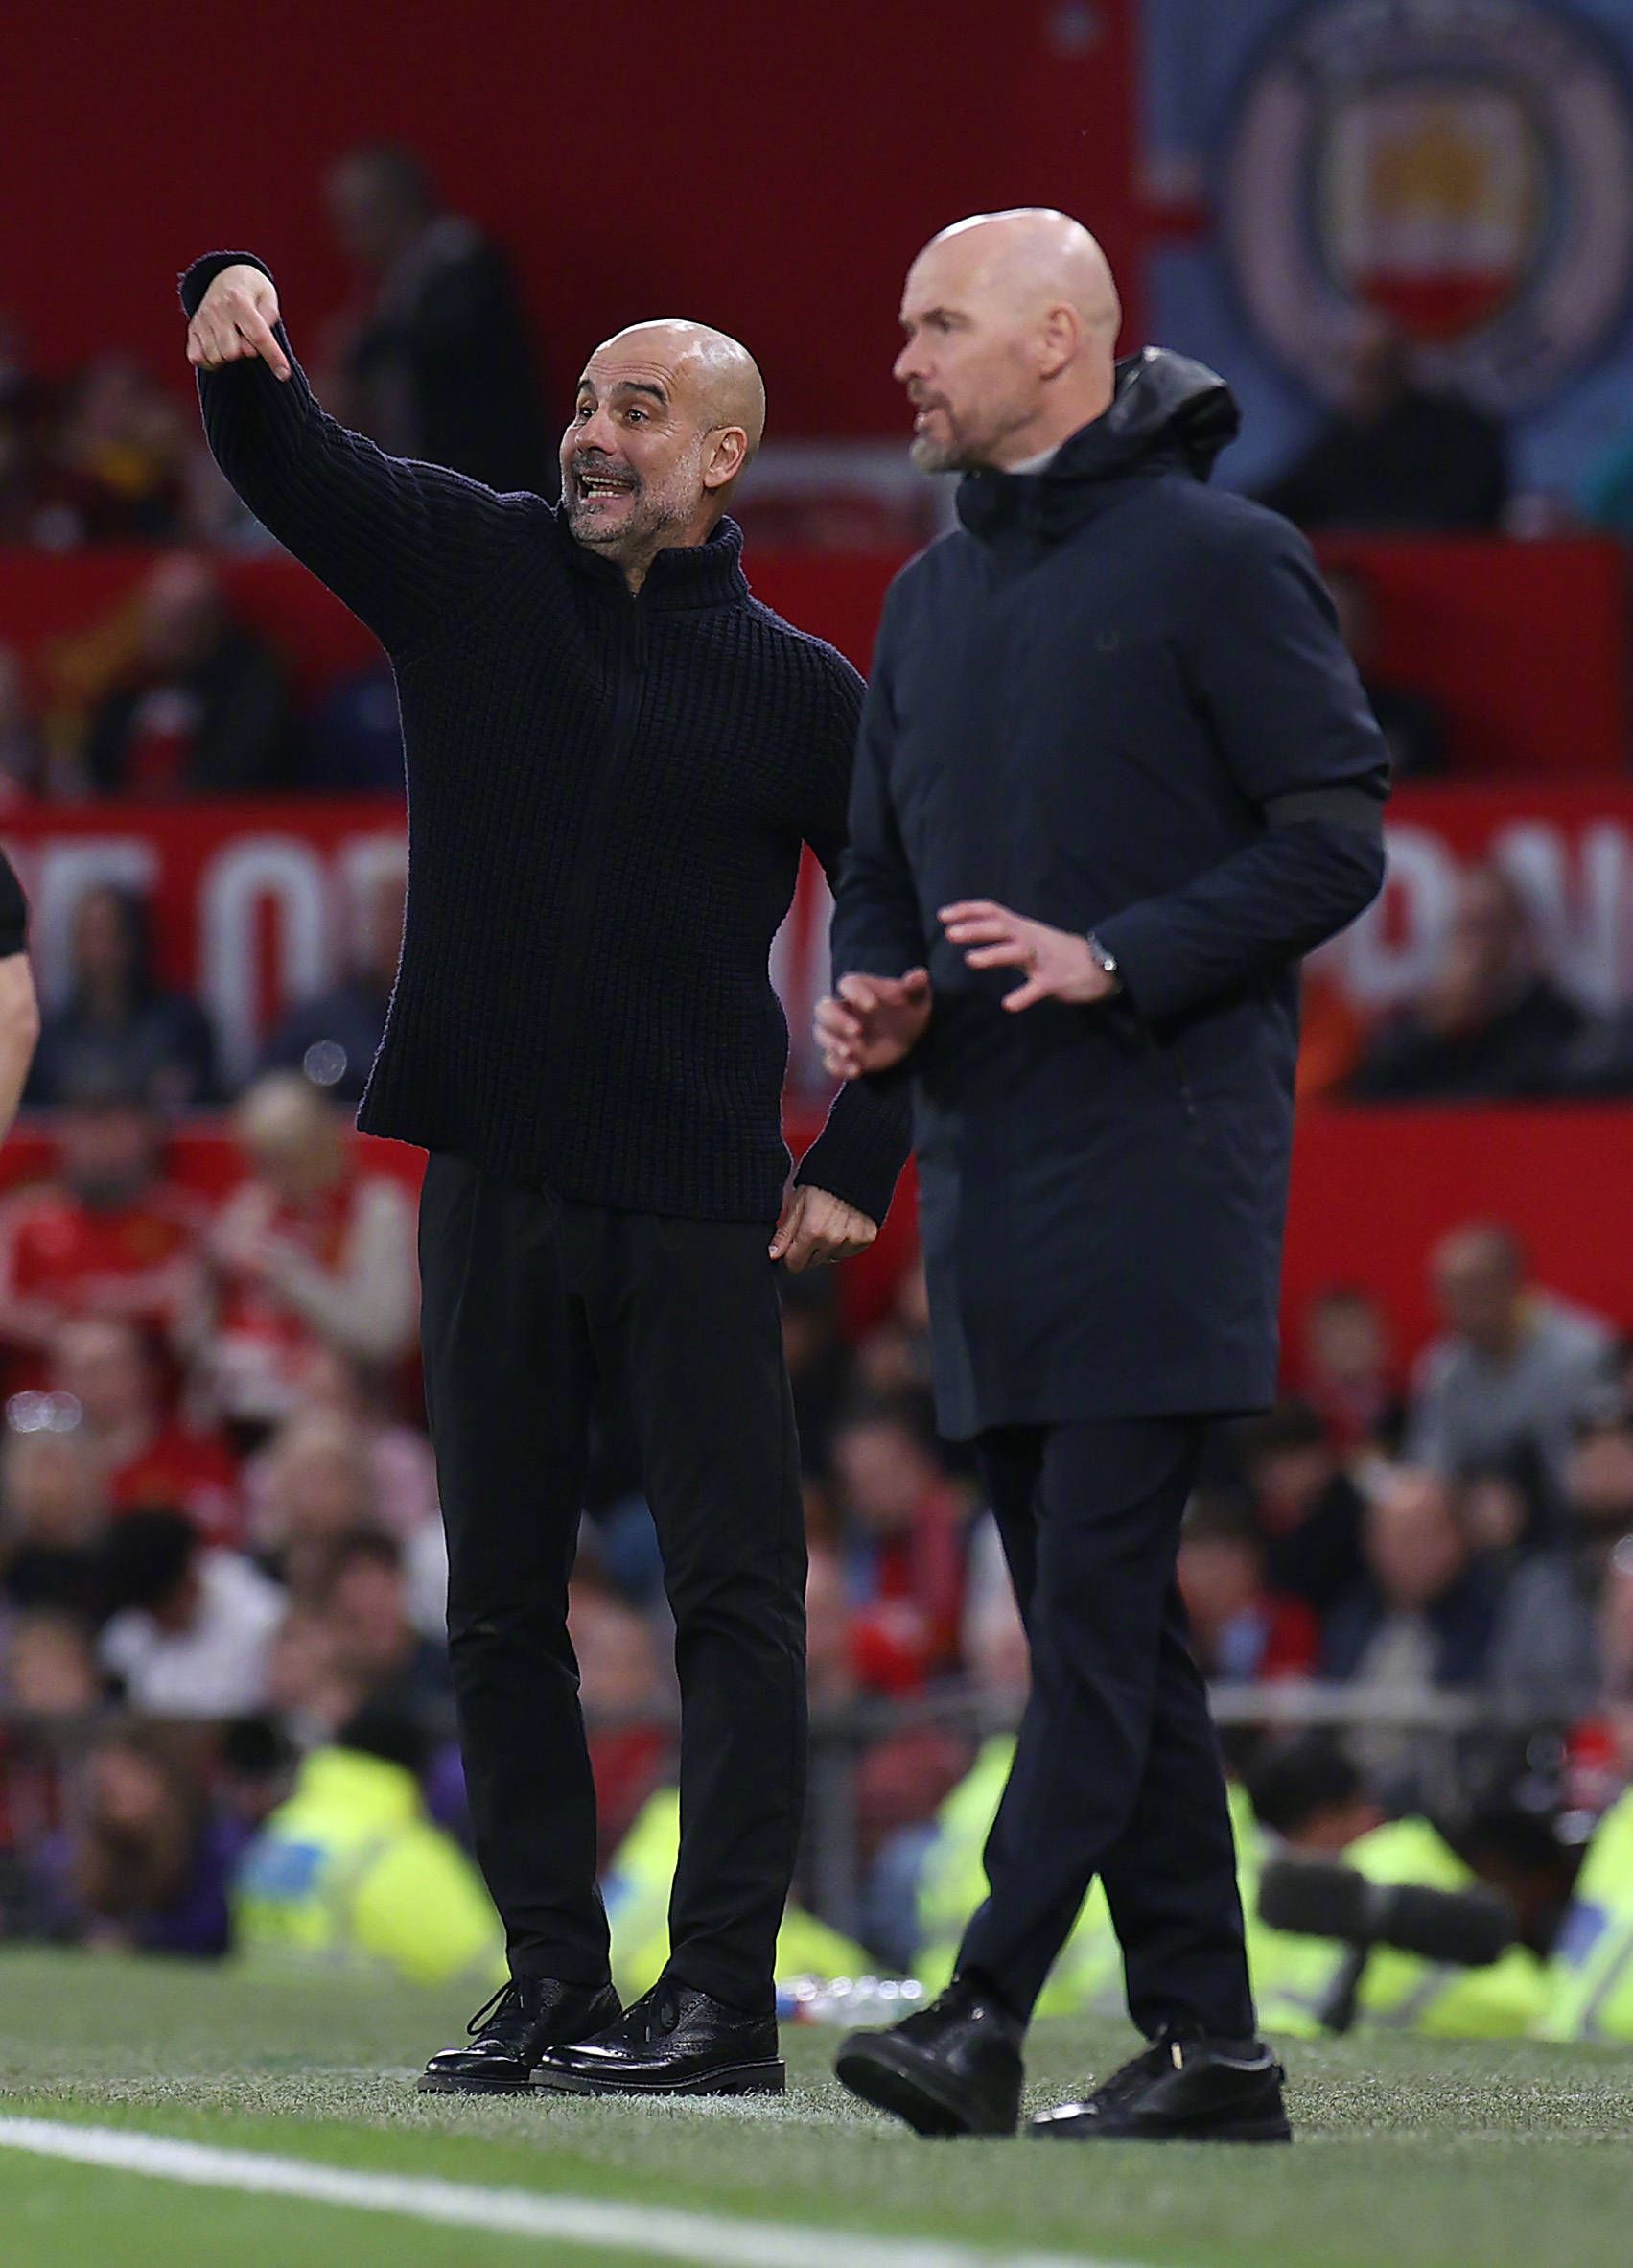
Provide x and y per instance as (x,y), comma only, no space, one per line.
(432,355)
(116,1030)
(1488,1024)
(221,1573)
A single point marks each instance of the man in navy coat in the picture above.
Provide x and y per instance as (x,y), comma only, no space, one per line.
(1116,775)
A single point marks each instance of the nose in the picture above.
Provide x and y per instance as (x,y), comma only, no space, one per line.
(909,363)
(596,432)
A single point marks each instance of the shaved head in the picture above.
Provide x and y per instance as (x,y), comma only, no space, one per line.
(668,417)
(1028,259)
(719,374)
(1012,322)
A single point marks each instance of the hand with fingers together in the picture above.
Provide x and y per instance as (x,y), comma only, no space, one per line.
(817,1228)
(873,1022)
(235,322)
(1058,965)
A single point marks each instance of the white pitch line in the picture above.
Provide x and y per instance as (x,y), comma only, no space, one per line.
(592,2222)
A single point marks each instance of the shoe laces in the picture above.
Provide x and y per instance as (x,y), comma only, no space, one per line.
(1127,2082)
(660,2010)
(493,2013)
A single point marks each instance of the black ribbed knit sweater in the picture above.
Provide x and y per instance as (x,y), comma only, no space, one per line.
(607,797)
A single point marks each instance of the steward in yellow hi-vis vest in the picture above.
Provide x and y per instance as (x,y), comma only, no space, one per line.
(1293,1975)
(350,1871)
(1590,1970)
(637,1895)
(1088,1974)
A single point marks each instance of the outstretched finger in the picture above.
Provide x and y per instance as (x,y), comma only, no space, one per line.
(968,909)
(259,335)
(981,930)
(857,992)
(1012,954)
(1028,994)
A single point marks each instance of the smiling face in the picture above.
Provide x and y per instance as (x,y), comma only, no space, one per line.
(667,416)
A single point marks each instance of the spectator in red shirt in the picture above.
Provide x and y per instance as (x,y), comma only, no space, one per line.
(314,1250)
(1241,1632)
(903,1526)
(107,1236)
(150,1457)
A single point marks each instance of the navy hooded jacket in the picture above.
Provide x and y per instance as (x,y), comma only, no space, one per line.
(1114,700)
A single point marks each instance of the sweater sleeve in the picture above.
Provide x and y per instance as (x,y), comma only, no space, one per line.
(1294,731)
(861,1150)
(400,543)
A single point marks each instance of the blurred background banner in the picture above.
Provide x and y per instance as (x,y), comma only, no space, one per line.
(1467,170)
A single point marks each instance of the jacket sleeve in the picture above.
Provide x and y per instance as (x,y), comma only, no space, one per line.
(876,927)
(401,544)
(1301,744)
(861,1150)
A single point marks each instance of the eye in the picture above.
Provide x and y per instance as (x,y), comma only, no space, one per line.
(636,417)
(582,411)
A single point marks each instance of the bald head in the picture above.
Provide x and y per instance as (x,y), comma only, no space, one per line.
(1030,259)
(668,415)
(1012,322)
(716,374)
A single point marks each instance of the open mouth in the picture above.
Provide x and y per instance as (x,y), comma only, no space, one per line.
(594,486)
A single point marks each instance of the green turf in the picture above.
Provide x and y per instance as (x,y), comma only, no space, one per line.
(1410,2154)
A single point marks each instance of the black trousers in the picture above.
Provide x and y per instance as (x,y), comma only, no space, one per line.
(1116,1770)
(527,1300)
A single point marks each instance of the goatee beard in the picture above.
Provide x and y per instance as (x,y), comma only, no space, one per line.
(932,456)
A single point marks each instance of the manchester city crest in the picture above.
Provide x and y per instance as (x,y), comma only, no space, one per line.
(1463,166)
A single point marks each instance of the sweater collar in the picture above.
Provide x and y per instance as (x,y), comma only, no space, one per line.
(1166,413)
(688,576)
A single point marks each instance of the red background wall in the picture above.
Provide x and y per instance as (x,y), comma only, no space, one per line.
(769,169)
(1465,622)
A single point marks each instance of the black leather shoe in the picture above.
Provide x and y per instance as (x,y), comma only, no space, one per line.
(952,2067)
(512,2030)
(674,2040)
(1181,2091)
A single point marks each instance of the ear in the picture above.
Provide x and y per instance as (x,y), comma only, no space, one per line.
(1060,336)
(727,458)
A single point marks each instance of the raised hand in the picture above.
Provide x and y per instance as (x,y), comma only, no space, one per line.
(874,1022)
(1058,965)
(235,322)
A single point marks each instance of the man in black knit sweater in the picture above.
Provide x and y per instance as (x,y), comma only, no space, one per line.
(614,756)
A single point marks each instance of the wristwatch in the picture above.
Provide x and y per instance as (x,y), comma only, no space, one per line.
(1105,962)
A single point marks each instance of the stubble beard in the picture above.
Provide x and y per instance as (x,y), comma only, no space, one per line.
(650,522)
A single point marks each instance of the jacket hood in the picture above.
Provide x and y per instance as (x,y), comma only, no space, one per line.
(1167,411)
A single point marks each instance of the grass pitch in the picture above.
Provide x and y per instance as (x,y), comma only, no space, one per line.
(1409,2154)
